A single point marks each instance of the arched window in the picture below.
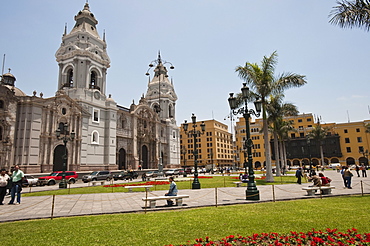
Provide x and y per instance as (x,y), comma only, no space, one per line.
(1,104)
(170,111)
(93,81)
(95,137)
(70,78)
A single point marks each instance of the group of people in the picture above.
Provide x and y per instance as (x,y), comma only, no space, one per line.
(319,180)
(322,180)
(11,181)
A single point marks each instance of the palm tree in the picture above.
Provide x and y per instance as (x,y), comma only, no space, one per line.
(349,14)
(276,110)
(319,133)
(286,127)
(263,82)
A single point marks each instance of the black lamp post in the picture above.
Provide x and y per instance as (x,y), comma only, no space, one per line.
(63,134)
(183,151)
(195,133)
(159,71)
(252,193)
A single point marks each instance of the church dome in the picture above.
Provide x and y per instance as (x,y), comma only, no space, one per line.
(18,92)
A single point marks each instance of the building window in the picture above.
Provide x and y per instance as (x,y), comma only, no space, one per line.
(346,140)
(348,149)
(1,133)
(96,115)
(345,131)
(359,139)
(292,135)
(357,129)
(95,137)
(309,119)
(300,127)
(299,120)
(1,104)
(361,149)
(173,134)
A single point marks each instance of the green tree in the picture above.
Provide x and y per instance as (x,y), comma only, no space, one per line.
(319,133)
(349,14)
(277,110)
(263,82)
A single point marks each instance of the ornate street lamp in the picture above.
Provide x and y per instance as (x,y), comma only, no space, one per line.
(159,71)
(63,134)
(252,193)
(195,133)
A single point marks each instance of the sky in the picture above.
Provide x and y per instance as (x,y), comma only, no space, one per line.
(205,40)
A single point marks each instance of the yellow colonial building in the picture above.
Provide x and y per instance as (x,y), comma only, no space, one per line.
(214,146)
(345,143)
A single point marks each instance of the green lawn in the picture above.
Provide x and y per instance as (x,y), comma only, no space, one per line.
(176,227)
(215,181)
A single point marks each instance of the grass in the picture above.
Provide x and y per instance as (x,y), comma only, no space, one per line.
(176,227)
(215,181)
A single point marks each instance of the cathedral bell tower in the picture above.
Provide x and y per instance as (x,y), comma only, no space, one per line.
(83,62)
(82,57)
(161,94)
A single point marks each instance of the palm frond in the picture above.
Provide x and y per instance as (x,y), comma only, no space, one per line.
(349,14)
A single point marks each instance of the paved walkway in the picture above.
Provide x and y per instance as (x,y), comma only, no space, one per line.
(123,202)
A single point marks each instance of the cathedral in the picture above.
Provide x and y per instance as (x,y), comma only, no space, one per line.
(82,128)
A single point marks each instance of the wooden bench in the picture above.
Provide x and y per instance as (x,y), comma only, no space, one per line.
(93,183)
(152,200)
(147,187)
(239,184)
(325,190)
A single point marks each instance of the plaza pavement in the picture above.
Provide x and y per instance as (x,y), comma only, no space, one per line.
(38,207)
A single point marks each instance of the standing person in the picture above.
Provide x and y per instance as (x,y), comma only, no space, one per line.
(363,169)
(342,173)
(17,177)
(358,171)
(172,191)
(4,178)
(299,175)
(10,183)
(348,176)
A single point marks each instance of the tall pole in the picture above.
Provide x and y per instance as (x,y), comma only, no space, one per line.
(196,184)
(195,133)
(252,193)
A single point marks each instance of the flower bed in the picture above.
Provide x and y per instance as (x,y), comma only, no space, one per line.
(313,238)
(146,183)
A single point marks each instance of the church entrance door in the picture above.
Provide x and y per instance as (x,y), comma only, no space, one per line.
(144,157)
(122,160)
(59,158)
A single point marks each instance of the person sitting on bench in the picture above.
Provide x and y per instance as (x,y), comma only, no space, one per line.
(244,178)
(172,191)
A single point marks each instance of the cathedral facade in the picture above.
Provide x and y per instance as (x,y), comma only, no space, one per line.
(106,136)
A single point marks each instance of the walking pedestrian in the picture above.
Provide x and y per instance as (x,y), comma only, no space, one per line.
(299,175)
(348,176)
(17,177)
(357,168)
(363,170)
(4,178)
(342,173)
